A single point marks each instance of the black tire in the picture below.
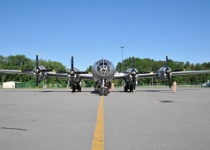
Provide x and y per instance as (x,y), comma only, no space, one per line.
(131,88)
(126,88)
(100,92)
(79,89)
(105,91)
(73,88)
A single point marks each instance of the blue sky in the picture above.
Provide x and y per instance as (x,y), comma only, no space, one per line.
(95,29)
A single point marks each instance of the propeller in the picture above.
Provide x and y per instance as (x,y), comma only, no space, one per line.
(167,61)
(72,71)
(37,70)
(168,72)
(72,62)
(133,62)
(133,73)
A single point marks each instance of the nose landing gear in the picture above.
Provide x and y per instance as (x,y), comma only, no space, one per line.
(104,89)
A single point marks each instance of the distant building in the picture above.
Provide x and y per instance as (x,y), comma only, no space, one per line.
(9,85)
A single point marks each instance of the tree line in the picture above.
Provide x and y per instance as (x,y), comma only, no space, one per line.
(21,62)
(149,65)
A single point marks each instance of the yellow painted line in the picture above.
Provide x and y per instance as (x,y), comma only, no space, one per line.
(98,139)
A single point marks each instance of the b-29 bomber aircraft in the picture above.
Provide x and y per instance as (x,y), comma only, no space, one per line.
(103,71)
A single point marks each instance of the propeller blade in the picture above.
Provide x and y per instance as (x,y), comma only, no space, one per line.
(169,80)
(37,61)
(72,72)
(170,84)
(37,65)
(133,62)
(72,62)
(166,60)
(37,70)
(37,81)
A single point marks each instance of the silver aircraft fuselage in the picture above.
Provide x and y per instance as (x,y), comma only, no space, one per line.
(103,69)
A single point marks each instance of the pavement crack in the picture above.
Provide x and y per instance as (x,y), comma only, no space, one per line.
(12,128)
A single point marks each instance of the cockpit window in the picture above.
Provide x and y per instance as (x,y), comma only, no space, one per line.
(103,67)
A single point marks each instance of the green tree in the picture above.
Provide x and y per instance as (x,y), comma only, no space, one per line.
(88,83)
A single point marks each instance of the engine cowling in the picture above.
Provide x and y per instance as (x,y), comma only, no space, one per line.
(40,71)
(73,76)
(131,75)
(128,78)
(164,73)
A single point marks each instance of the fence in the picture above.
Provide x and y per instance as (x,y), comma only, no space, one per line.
(41,85)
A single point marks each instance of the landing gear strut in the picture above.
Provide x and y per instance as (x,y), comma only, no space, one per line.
(129,86)
(104,89)
(75,87)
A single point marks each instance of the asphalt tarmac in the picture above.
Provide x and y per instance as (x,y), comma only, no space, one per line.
(148,119)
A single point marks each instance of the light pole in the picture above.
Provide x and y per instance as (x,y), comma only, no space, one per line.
(122,57)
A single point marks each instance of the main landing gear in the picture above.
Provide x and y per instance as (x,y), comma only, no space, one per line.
(75,87)
(129,86)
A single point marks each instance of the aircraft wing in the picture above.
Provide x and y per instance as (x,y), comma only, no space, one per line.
(177,73)
(64,75)
(49,74)
(121,76)
(190,72)
(147,75)
(86,76)
(16,72)
(56,74)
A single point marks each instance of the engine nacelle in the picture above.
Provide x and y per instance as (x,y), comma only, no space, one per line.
(131,75)
(42,75)
(73,77)
(129,78)
(163,73)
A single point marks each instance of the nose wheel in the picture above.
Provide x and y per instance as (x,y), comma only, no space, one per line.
(104,90)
